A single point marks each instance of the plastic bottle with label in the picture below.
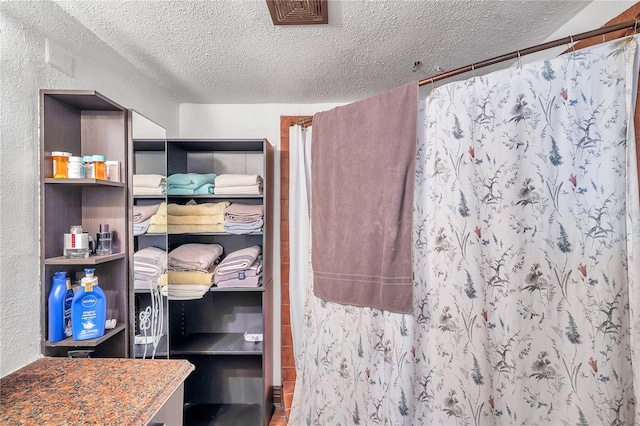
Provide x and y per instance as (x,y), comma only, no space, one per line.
(88,309)
(99,167)
(60,161)
(87,162)
(74,168)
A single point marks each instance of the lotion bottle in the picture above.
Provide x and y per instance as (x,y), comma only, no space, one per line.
(88,309)
(56,305)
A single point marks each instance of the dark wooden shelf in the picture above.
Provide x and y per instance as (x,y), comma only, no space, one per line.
(150,197)
(214,344)
(70,343)
(218,196)
(238,289)
(85,182)
(91,260)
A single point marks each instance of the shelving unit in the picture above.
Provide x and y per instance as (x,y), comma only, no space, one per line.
(232,383)
(84,122)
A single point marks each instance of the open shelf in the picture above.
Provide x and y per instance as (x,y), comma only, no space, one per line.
(222,414)
(240,289)
(91,260)
(161,351)
(84,182)
(215,344)
(70,343)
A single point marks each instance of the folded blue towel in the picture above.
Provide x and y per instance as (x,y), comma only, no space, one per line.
(180,191)
(190,180)
(207,188)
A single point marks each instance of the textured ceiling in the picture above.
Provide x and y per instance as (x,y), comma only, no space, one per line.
(229,51)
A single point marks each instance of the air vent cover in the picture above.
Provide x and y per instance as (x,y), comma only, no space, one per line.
(298,12)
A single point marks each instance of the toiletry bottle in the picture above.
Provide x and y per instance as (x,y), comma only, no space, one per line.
(57,300)
(68,300)
(88,309)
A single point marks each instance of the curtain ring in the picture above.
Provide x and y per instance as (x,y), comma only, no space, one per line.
(433,85)
(519,60)
(473,70)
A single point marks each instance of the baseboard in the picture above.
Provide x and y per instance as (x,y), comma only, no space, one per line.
(277,394)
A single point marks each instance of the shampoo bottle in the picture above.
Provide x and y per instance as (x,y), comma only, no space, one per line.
(58,314)
(88,309)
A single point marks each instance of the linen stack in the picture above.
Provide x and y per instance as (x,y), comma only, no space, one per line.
(149,265)
(190,183)
(142,217)
(191,270)
(234,184)
(243,218)
(196,218)
(158,221)
(241,268)
(149,184)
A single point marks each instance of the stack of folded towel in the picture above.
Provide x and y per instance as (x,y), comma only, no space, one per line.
(158,221)
(241,268)
(149,184)
(190,183)
(231,184)
(149,268)
(194,218)
(243,218)
(191,270)
(142,217)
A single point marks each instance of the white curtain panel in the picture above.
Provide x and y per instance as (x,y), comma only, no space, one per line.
(299,228)
(526,248)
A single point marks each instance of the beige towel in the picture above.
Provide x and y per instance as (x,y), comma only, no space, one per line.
(191,277)
(195,220)
(194,229)
(157,229)
(204,209)
(363,166)
(144,212)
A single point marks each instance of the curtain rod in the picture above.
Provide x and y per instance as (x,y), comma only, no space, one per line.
(518,54)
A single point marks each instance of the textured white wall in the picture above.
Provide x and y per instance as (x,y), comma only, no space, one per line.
(250,121)
(24,26)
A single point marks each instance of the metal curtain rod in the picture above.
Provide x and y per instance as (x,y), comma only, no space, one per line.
(518,54)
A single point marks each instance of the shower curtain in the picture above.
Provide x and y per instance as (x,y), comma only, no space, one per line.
(299,228)
(526,263)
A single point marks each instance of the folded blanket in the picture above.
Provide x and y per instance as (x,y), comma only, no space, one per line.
(195,220)
(246,282)
(252,271)
(241,190)
(205,189)
(144,190)
(150,261)
(141,228)
(191,277)
(194,257)
(190,180)
(243,228)
(239,260)
(144,212)
(148,180)
(228,179)
(144,282)
(186,292)
(203,209)
(192,229)
(158,219)
(163,279)
(244,213)
(157,229)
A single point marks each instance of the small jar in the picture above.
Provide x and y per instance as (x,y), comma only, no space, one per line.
(99,168)
(60,160)
(87,162)
(74,168)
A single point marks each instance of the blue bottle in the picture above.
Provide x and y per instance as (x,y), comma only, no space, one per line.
(60,299)
(88,309)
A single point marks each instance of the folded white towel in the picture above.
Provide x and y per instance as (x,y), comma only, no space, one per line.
(147,190)
(229,179)
(239,260)
(233,190)
(148,180)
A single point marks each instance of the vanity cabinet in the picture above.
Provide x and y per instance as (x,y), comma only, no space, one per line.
(84,122)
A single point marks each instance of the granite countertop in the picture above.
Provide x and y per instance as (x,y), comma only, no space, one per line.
(89,391)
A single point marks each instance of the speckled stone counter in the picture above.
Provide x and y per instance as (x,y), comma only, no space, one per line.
(89,391)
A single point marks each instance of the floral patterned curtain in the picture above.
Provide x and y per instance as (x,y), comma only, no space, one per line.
(526,262)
